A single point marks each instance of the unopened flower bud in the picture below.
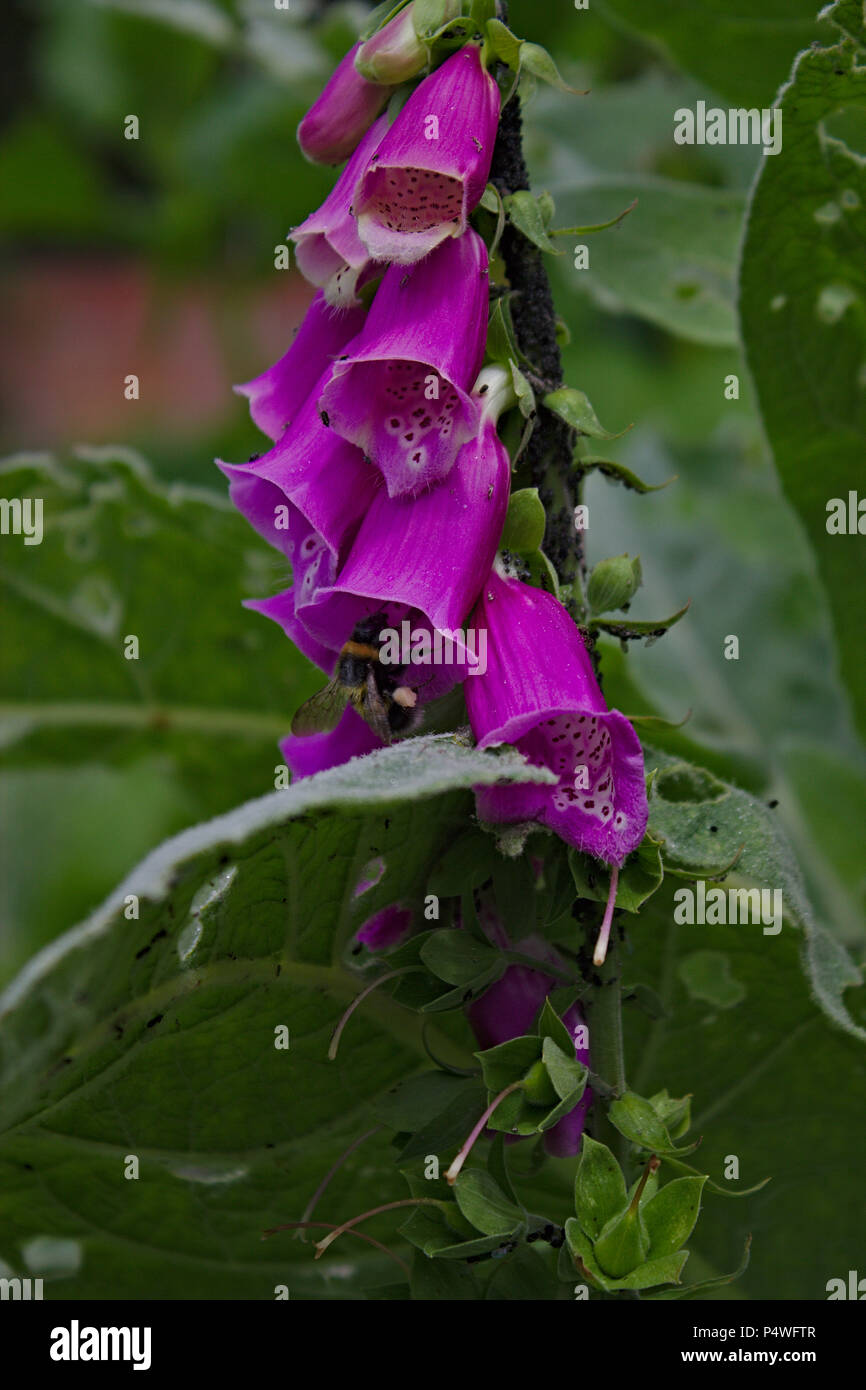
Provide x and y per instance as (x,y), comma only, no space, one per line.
(395,53)
(613,583)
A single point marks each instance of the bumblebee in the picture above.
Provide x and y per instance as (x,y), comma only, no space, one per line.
(363,682)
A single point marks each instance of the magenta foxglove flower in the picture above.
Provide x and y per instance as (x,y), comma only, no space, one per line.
(400,392)
(277,395)
(328,249)
(352,738)
(508,1009)
(423,561)
(385,928)
(540,693)
(395,53)
(346,109)
(433,164)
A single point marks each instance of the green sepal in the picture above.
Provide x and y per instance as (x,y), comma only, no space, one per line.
(622,1244)
(574,408)
(638,1121)
(714,1187)
(433,1232)
(456,957)
(591,227)
(525,213)
(485,1206)
(692,1290)
(599,1187)
(521,56)
(675,1112)
(523,391)
(641,875)
(567,1075)
(550,1025)
(671,1214)
(645,1276)
(617,472)
(628,631)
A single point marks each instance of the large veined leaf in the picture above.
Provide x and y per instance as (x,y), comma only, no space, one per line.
(802,297)
(774,1086)
(98,749)
(155,1036)
(742,49)
(709,828)
(671,261)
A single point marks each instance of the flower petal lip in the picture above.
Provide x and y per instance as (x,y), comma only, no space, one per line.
(541,694)
(401,391)
(337,120)
(328,250)
(352,738)
(278,394)
(307,497)
(427,556)
(432,166)
(281,609)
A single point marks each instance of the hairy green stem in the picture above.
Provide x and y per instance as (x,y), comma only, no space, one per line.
(604,1018)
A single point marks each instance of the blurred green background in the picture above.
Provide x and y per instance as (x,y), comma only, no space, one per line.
(156,256)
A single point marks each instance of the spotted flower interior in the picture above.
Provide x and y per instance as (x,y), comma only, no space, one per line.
(414,200)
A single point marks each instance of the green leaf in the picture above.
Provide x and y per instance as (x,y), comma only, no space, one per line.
(803,313)
(635,1118)
(672,261)
(706,826)
(484,1205)
(525,213)
(749,1091)
(671,1214)
(623,1243)
(117,1037)
(550,1025)
(567,1074)
(537,60)
(617,473)
(705,1285)
(639,878)
(664,1271)
(573,407)
(457,957)
(741,52)
(524,392)
(630,630)
(505,44)
(599,1187)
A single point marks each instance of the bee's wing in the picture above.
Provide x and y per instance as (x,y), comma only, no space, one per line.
(322,712)
(374,709)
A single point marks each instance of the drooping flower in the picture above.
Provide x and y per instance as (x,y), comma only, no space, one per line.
(278,394)
(541,694)
(423,561)
(347,107)
(306,496)
(433,164)
(400,393)
(352,738)
(395,53)
(328,249)
(508,1009)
